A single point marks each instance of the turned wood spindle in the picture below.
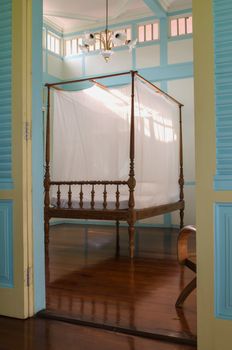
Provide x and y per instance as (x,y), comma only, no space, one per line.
(117,198)
(105,198)
(131,180)
(58,197)
(70,197)
(92,197)
(81,197)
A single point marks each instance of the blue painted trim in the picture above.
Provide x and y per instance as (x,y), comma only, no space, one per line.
(180,12)
(223,182)
(163,42)
(180,37)
(148,43)
(169,72)
(37,157)
(223,260)
(155,6)
(134,33)
(6,244)
(6,184)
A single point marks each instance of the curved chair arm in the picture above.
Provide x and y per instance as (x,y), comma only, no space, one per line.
(182,243)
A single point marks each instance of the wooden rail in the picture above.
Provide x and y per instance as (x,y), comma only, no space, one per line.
(107,183)
(71,199)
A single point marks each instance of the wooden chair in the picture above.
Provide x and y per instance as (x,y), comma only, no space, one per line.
(184,258)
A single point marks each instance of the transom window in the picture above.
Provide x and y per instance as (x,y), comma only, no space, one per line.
(148,32)
(181,26)
(53,43)
(71,46)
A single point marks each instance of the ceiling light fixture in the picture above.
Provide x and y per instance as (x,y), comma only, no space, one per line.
(107,39)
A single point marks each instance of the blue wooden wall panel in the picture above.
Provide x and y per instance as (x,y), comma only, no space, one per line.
(223,260)
(223,92)
(5,94)
(6,244)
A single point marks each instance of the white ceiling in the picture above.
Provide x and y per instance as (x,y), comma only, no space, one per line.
(174,5)
(74,15)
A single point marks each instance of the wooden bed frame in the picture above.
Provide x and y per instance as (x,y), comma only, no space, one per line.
(130,214)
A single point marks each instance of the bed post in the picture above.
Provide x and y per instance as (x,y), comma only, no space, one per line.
(181,176)
(47,173)
(131,180)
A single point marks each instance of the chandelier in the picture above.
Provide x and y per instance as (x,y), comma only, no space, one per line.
(106,39)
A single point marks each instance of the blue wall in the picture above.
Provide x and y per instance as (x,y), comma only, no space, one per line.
(6,244)
(5,95)
(223,178)
(6,183)
(223,92)
(223,260)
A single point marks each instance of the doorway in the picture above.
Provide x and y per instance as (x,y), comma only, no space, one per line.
(59,245)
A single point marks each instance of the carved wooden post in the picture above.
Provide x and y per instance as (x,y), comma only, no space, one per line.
(181,176)
(47,173)
(131,180)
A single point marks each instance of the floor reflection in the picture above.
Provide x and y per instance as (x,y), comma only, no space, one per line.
(88,281)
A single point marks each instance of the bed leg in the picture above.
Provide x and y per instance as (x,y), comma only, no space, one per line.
(131,231)
(181,218)
(117,239)
(46,231)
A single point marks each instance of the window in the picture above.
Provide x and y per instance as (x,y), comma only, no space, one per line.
(181,26)
(53,43)
(72,45)
(148,32)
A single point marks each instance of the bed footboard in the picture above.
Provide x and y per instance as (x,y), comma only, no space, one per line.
(76,193)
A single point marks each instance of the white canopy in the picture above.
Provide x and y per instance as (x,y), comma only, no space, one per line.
(91,137)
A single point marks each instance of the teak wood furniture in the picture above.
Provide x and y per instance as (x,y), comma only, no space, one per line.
(130,214)
(186,260)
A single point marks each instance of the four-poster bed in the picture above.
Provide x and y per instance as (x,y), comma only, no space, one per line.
(125,206)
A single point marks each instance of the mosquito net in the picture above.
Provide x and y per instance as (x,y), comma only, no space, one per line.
(91,138)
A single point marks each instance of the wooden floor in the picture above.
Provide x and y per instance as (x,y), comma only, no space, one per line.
(87,282)
(38,334)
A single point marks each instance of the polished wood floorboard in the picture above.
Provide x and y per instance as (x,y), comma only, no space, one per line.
(87,281)
(39,334)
